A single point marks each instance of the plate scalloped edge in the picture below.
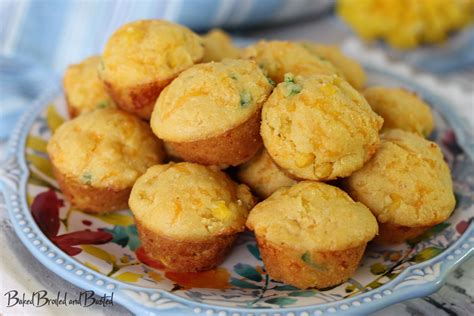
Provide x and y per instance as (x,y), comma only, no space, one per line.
(415,281)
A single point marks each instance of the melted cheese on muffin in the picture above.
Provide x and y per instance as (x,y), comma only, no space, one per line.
(187,200)
(209,99)
(146,51)
(104,148)
(406,183)
(319,127)
(313,216)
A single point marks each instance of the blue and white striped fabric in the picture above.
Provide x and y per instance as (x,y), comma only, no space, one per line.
(39,38)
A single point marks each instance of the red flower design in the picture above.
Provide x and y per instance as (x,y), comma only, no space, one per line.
(45,210)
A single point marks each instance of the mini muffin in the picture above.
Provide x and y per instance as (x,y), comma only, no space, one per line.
(311,234)
(143,57)
(407,185)
(319,127)
(277,58)
(211,113)
(97,157)
(401,109)
(262,175)
(83,88)
(218,46)
(188,215)
(350,68)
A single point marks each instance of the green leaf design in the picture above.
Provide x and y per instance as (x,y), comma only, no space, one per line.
(36,143)
(307,293)
(306,257)
(243,284)
(429,233)
(281,301)
(53,118)
(42,164)
(99,253)
(426,254)
(254,251)
(285,288)
(125,236)
(378,268)
(247,271)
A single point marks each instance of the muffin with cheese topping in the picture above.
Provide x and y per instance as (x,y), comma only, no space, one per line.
(262,175)
(97,157)
(277,58)
(218,46)
(350,68)
(407,185)
(83,88)
(311,234)
(188,215)
(319,127)
(143,57)
(401,109)
(210,114)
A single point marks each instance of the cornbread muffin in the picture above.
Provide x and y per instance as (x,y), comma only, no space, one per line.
(277,58)
(98,156)
(211,113)
(350,68)
(407,185)
(401,109)
(311,234)
(143,57)
(83,88)
(262,175)
(188,215)
(218,46)
(319,127)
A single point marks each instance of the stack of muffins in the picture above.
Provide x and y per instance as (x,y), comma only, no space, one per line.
(164,114)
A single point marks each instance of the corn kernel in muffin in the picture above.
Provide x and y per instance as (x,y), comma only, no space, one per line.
(311,234)
(319,127)
(83,88)
(407,185)
(211,113)
(218,46)
(143,57)
(277,58)
(262,175)
(350,68)
(188,215)
(98,156)
(401,109)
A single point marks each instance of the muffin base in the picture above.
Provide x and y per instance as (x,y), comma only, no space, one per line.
(90,199)
(185,255)
(140,99)
(395,234)
(231,148)
(330,267)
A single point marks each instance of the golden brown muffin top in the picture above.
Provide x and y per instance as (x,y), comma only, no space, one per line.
(401,109)
(105,148)
(209,99)
(218,46)
(406,183)
(146,51)
(319,127)
(277,58)
(190,201)
(84,90)
(313,216)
